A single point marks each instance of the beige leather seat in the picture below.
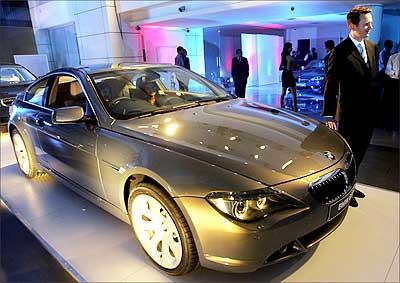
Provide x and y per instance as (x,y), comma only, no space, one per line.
(76,97)
(75,88)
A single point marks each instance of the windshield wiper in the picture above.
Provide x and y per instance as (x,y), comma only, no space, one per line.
(181,106)
(186,105)
(154,112)
(169,109)
(216,99)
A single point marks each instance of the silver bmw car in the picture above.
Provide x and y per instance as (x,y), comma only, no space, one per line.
(203,178)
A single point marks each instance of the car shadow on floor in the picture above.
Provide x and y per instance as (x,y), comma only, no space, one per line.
(274,273)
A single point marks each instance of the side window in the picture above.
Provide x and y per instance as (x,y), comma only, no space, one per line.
(169,80)
(66,91)
(35,94)
(197,87)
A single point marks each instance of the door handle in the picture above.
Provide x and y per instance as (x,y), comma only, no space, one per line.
(39,122)
(47,123)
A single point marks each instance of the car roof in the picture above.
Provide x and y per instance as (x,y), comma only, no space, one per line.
(9,65)
(101,68)
(132,66)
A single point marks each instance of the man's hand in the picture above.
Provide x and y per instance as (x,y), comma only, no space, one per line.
(331,124)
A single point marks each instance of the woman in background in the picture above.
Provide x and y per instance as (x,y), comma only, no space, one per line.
(288,81)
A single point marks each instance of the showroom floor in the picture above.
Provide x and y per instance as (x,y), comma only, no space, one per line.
(364,248)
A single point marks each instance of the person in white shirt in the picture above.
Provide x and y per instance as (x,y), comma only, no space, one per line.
(393,65)
(384,55)
(392,111)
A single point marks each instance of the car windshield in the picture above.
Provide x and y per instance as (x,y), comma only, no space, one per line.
(11,74)
(129,93)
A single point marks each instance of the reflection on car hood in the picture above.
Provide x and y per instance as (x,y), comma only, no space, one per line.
(254,140)
(310,74)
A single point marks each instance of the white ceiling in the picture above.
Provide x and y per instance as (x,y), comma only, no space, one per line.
(270,14)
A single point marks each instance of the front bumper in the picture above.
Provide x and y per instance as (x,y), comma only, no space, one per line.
(227,245)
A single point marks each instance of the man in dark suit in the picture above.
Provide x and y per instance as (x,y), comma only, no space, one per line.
(352,87)
(329,45)
(240,73)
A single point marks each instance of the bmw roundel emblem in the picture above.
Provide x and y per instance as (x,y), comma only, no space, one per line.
(329,155)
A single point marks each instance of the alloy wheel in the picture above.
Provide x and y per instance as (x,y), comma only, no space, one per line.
(156,231)
(21,153)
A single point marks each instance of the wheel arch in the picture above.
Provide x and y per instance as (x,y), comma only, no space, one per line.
(25,138)
(139,175)
(11,127)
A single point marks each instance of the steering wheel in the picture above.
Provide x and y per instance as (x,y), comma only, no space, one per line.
(117,100)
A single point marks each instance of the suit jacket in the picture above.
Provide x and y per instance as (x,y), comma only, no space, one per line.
(351,92)
(326,60)
(240,70)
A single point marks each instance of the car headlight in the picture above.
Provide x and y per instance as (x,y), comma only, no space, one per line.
(317,78)
(252,205)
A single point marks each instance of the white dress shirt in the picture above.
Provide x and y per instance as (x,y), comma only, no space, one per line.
(393,66)
(356,43)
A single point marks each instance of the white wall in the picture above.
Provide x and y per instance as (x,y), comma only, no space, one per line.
(97,30)
(161,43)
(318,35)
(262,52)
(52,13)
(124,6)
(293,35)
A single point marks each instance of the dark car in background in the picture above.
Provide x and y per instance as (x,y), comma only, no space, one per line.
(310,82)
(14,79)
(308,103)
(312,76)
(204,179)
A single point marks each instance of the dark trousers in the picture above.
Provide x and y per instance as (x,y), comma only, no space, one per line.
(390,104)
(358,137)
(240,88)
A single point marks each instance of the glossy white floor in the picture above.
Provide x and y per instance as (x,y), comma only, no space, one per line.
(95,246)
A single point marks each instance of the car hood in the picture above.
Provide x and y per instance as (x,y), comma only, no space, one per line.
(255,140)
(13,89)
(310,74)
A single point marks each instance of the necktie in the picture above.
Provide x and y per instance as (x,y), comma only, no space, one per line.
(362,52)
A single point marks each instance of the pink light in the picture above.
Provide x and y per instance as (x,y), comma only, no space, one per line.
(273,26)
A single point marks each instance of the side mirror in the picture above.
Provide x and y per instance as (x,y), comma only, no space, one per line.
(67,115)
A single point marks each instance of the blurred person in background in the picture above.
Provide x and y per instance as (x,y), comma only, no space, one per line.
(288,81)
(329,46)
(186,61)
(393,72)
(240,73)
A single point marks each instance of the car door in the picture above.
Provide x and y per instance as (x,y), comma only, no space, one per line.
(71,148)
(34,103)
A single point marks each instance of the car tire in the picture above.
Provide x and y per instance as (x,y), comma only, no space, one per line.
(161,229)
(25,159)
